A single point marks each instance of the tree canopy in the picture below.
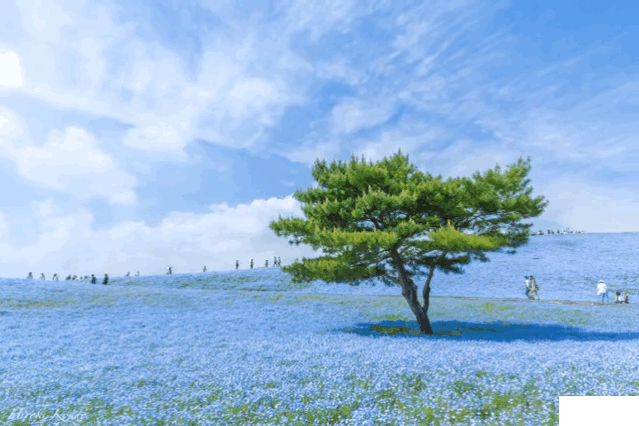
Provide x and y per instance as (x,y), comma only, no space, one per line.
(389,220)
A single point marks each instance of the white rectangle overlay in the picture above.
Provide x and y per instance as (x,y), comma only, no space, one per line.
(599,411)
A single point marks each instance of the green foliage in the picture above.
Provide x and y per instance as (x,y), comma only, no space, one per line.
(372,219)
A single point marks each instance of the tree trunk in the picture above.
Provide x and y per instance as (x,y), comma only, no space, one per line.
(409,291)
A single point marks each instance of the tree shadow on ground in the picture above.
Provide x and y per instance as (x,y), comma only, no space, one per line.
(488,331)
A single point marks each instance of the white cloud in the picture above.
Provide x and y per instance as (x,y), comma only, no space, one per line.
(583,206)
(187,241)
(3,225)
(70,161)
(159,138)
(307,154)
(352,115)
(239,91)
(44,20)
(10,70)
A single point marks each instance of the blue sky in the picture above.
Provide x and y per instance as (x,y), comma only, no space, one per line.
(137,135)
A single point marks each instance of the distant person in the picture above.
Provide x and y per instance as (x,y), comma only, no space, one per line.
(534,288)
(68,278)
(602,290)
(237,264)
(128,274)
(42,277)
(75,277)
(169,270)
(30,276)
(279,262)
(54,277)
(618,298)
(94,280)
(251,264)
(274,261)
(137,274)
(626,299)
(527,282)
(266,263)
(204,269)
(106,279)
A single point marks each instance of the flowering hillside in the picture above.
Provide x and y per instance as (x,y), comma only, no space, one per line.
(250,347)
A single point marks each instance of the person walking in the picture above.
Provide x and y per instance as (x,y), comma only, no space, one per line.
(279,262)
(251,264)
(527,281)
(54,277)
(274,261)
(106,279)
(534,288)
(204,269)
(266,263)
(30,276)
(93,279)
(237,264)
(602,290)
(42,277)
(169,270)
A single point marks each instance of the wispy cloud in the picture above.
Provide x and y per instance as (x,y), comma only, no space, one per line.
(69,161)
(10,70)
(215,239)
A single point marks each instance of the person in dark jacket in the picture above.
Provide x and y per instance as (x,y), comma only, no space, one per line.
(30,276)
(237,264)
(94,280)
(106,279)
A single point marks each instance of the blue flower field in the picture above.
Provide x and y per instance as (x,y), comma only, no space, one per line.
(252,348)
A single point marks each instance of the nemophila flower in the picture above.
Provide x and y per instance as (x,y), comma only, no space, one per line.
(187,349)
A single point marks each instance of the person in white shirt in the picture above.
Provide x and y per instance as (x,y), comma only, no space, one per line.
(602,290)
(618,298)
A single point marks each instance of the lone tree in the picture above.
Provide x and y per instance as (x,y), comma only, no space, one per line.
(391,221)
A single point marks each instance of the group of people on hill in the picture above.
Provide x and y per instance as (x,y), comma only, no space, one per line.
(532,291)
(73,277)
(277,262)
(620,296)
